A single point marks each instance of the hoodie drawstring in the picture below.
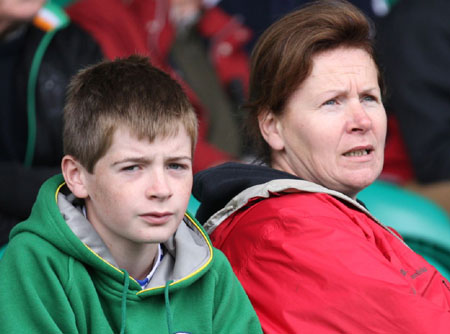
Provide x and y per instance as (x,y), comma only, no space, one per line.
(126,283)
(169,315)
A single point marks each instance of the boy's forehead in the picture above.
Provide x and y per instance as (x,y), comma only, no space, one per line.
(126,146)
(160,132)
(124,136)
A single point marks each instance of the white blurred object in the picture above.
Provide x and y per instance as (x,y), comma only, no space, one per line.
(380,7)
(210,3)
(184,13)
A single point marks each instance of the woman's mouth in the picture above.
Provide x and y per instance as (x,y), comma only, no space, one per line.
(357,153)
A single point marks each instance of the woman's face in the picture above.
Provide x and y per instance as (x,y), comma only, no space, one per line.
(333,129)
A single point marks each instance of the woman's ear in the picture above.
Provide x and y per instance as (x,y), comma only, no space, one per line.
(75,176)
(271,130)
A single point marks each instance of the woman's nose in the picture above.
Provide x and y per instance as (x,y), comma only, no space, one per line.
(359,120)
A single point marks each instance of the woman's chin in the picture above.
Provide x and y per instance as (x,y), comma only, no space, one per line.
(356,183)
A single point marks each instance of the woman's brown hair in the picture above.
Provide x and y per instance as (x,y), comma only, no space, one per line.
(283,56)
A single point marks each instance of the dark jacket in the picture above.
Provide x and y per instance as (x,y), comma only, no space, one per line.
(414,47)
(69,50)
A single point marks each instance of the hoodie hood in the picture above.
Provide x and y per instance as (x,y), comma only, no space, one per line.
(188,253)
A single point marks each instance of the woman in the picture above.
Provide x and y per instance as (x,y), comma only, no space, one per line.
(310,256)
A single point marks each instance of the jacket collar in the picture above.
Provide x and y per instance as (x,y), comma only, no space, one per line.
(266,190)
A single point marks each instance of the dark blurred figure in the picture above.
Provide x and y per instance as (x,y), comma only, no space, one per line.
(39,51)
(259,14)
(414,48)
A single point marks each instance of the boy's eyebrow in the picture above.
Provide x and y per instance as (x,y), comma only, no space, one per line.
(143,160)
(180,157)
(131,159)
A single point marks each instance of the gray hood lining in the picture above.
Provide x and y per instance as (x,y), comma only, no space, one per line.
(81,227)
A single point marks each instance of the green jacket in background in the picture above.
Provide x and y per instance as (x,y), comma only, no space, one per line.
(57,276)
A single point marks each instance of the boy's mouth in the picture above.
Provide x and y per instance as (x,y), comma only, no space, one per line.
(156,218)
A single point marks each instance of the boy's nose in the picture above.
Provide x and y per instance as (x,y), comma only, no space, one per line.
(158,186)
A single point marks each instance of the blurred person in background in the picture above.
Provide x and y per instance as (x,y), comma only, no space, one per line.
(198,44)
(414,49)
(40,49)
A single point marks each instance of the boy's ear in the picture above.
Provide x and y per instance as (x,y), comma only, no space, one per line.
(75,176)
(270,128)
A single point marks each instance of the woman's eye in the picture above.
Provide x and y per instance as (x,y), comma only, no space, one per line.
(369,98)
(331,102)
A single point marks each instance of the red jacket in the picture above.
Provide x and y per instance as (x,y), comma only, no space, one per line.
(397,166)
(315,261)
(143,26)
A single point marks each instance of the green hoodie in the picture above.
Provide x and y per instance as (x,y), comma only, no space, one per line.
(57,276)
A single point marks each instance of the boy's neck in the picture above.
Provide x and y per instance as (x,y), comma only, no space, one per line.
(138,261)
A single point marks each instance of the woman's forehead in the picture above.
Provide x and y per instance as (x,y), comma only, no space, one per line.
(342,60)
(333,70)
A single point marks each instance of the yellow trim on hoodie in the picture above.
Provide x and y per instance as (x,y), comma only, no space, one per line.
(199,269)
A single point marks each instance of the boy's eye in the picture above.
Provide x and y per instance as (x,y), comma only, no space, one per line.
(177,166)
(130,168)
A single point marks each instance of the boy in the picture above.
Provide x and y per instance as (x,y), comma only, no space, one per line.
(111,250)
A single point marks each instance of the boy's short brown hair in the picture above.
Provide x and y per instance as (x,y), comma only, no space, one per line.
(124,92)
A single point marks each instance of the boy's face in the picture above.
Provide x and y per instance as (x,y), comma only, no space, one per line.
(139,191)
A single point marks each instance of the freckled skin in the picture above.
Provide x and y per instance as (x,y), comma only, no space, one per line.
(138,192)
